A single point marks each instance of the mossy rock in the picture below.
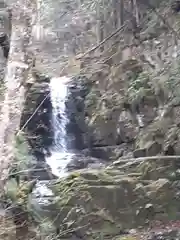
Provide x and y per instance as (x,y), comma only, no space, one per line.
(155,131)
(153,169)
(107,202)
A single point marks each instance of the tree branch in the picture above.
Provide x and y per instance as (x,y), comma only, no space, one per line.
(146,3)
(102,42)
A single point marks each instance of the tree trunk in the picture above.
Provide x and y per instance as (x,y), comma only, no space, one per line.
(107,25)
(121,12)
(100,25)
(136,12)
(16,73)
(115,13)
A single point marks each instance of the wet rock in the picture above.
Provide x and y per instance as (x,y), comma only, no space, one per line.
(169,151)
(37,112)
(76,128)
(40,171)
(106,153)
(153,148)
(81,162)
(139,153)
(109,153)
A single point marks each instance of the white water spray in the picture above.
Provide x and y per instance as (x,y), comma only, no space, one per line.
(60,156)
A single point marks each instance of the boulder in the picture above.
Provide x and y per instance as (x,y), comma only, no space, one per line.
(141,152)
(151,148)
(109,153)
(79,161)
(108,202)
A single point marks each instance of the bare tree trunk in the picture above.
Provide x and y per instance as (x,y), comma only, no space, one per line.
(115,13)
(136,12)
(121,12)
(16,74)
(107,26)
(100,24)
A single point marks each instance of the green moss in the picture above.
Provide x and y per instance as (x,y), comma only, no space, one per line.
(155,131)
(127,238)
(104,201)
(140,88)
(173,85)
(145,168)
(92,98)
(21,152)
(17,193)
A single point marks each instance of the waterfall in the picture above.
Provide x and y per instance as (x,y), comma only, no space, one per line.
(60,156)
(59,91)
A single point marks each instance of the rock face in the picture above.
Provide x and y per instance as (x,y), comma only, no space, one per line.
(109,153)
(36,117)
(134,99)
(117,113)
(27,165)
(77,130)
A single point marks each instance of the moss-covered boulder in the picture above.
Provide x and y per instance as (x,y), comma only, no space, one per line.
(103,202)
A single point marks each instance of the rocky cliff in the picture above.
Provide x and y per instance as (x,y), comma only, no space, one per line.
(134,97)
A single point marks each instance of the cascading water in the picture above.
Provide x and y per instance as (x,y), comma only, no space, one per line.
(59,92)
(60,156)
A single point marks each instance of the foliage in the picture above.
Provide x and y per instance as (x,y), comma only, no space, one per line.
(18,192)
(139,88)
(92,98)
(173,85)
(21,152)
